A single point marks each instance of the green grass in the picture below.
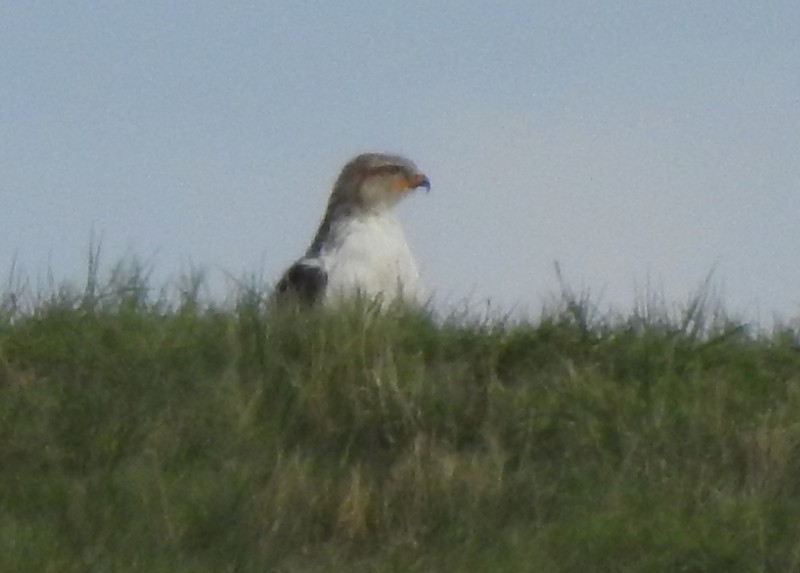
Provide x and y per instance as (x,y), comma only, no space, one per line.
(148,431)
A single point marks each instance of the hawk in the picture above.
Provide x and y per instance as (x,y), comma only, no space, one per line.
(360,248)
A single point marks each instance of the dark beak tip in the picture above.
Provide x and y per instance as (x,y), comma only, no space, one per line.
(424,182)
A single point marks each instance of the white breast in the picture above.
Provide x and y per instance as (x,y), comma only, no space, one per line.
(369,255)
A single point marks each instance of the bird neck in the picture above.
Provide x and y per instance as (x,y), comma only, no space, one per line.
(336,218)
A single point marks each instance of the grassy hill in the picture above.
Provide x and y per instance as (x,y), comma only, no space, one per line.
(142,435)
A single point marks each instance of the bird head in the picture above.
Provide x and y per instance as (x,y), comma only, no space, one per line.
(376,181)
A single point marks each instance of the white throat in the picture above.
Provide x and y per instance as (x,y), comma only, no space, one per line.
(368,254)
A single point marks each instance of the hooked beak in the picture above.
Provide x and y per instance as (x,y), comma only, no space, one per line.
(420,180)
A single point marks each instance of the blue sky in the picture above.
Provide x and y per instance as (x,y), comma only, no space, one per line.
(633,143)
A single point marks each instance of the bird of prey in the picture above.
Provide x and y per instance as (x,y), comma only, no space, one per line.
(359,248)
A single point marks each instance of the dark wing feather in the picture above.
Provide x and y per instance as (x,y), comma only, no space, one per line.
(304,281)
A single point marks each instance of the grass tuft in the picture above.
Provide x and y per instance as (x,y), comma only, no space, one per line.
(148,429)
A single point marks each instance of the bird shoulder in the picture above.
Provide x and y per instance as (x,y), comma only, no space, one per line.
(305,281)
